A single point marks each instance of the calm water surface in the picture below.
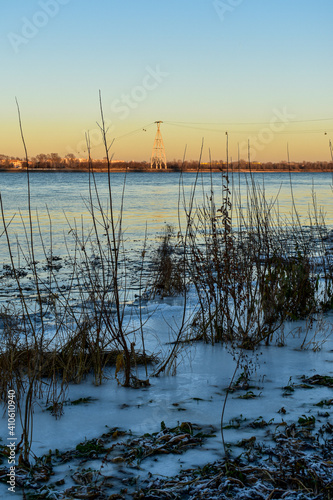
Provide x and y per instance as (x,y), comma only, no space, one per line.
(150,199)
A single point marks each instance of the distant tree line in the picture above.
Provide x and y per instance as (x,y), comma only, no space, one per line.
(54,161)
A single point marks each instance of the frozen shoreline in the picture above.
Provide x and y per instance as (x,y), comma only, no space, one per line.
(195,394)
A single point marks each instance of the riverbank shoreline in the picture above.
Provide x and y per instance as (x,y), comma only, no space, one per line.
(167,171)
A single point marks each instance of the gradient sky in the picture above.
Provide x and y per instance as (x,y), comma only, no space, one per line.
(204,67)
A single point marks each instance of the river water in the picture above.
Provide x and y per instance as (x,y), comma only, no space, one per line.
(60,202)
(60,208)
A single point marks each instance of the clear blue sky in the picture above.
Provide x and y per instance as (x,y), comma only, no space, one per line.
(236,65)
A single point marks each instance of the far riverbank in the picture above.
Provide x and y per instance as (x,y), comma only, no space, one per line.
(53,162)
(169,170)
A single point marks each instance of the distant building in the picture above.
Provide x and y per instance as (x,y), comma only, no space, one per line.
(17,163)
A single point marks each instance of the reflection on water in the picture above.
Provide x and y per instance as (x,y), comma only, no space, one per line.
(61,200)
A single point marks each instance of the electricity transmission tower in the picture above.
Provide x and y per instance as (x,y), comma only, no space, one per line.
(158,157)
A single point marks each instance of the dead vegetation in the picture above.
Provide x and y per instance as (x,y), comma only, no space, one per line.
(297,465)
(250,269)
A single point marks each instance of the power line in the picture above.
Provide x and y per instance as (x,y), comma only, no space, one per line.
(141,129)
(205,129)
(201,127)
(133,132)
(250,123)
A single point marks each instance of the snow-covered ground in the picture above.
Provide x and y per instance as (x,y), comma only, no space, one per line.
(195,393)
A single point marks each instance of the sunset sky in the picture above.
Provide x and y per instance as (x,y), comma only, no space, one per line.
(261,70)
